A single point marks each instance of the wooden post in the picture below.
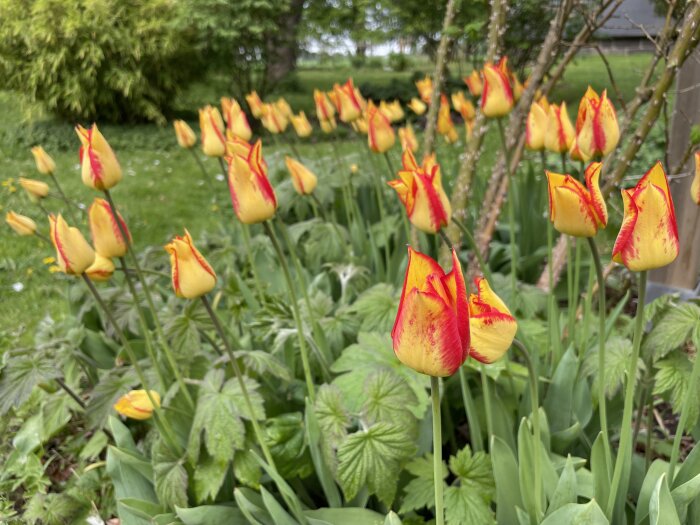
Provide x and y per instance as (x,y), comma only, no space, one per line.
(683,272)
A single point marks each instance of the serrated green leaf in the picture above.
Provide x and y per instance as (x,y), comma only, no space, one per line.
(672,378)
(618,351)
(20,376)
(208,478)
(246,468)
(170,476)
(285,437)
(474,471)
(263,363)
(387,397)
(376,308)
(464,505)
(333,417)
(672,330)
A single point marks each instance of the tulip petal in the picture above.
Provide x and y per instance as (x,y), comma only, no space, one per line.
(493,328)
(592,175)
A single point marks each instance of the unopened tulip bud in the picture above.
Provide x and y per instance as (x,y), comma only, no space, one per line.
(105,230)
(303,180)
(211,126)
(100,270)
(36,189)
(417,106)
(73,253)
(21,224)
(252,195)
(301,125)
(44,163)
(138,404)
(184,134)
(192,276)
(497,96)
(100,169)
(380,134)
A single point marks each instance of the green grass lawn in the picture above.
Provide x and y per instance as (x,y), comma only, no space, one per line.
(163,190)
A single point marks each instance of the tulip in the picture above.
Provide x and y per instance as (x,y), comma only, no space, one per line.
(393,110)
(284,108)
(421,193)
(445,127)
(431,331)
(425,89)
(518,88)
(695,186)
(236,120)
(254,103)
(21,224)
(324,108)
(73,253)
(303,180)
(99,166)
(559,135)
(105,231)
(597,131)
(191,274)
(491,324)
(497,96)
(327,126)
(212,128)
(380,134)
(463,105)
(44,163)
(100,270)
(360,125)
(301,124)
(417,106)
(574,209)
(474,83)
(251,193)
(137,404)
(429,163)
(185,136)
(648,237)
(536,127)
(346,101)
(407,138)
(35,188)
(273,119)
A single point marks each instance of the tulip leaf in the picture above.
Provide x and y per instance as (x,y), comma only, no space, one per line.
(349,516)
(577,514)
(208,514)
(601,471)
(392,519)
(566,491)
(684,495)
(505,472)
(558,403)
(279,515)
(373,458)
(662,510)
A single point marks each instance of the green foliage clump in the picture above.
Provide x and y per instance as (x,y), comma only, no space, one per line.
(117,60)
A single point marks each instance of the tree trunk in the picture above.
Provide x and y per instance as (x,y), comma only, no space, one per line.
(282,47)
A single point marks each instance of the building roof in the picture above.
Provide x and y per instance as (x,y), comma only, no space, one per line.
(631,14)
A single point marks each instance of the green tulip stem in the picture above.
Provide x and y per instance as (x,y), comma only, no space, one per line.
(624,452)
(511,212)
(160,335)
(571,310)
(224,170)
(161,422)
(251,261)
(295,309)
(42,237)
(487,401)
(199,162)
(602,410)
(437,451)
(563,163)
(552,311)
(535,408)
(68,390)
(475,249)
(543,160)
(65,199)
(448,243)
(293,147)
(470,412)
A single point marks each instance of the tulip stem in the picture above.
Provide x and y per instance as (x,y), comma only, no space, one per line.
(487,401)
(553,331)
(571,312)
(685,410)
(437,451)
(563,163)
(624,452)
(65,198)
(511,212)
(224,171)
(42,237)
(161,422)
(251,261)
(295,309)
(602,402)
(70,392)
(470,412)
(475,249)
(294,151)
(446,239)
(149,300)
(202,168)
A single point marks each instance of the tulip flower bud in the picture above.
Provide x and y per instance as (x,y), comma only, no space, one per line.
(492,327)
(303,180)
(574,209)
(474,83)
(597,131)
(346,102)
(327,126)
(425,89)
(695,186)
(354,169)
(463,105)
(380,134)
(407,138)
(421,193)
(273,119)
(251,192)
(536,127)
(73,253)
(417,106)
(137,404)
(284,108)
(360,125)
(301,124)
(191,274)
(497,96)
(648,237)
(211,126)
(254,103)
(324,108)
(21,224)
(104,229)
(184,134)
(100,169)
(395,111)
(236,120)
(44,163)
(431,331)
(559,135)
(36,189)
(445,126)
(100,270)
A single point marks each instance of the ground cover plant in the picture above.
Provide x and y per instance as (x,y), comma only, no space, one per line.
(282,312)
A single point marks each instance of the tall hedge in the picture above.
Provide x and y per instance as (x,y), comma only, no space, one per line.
(116,60)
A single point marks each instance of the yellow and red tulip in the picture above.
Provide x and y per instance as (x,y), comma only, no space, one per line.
(36,189)
(395,111)
(380,134)
(496,96)
(695,186)
(303,180)
(44,163)
(137,404)
(536,126)
(360,125)
(191,274)
(474,83)
(417,106)
(420,191)
(407,138)
(559,135)
(254,103)
(212,129)
(184,134)
(100,270)
(425,89)
(347,102)
(105,230)
(324,109)
(99,166)
(463,105)
(251,192)
(273,119)
(648,237)
(597,130)
(431,331)
(491,324)
(575,209)
(21,224)
(327,126)
(236,120)
(301,125)
(73,253)
(284,108)
(445,126)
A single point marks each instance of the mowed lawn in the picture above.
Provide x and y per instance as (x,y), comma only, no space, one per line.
(163,190)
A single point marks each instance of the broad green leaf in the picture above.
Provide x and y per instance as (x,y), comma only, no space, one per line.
(95,445)
(323,472)
(672,330)
(245,468)
(662,510)
(376,308)
(263,363)
(19,378)
(602,472)
(689,469)
(464,505)
(566,491)
(577,514)
(656,470)
(170,476)
(128,482)
(673,379)
(505,472)
(142,508)
(387,397)
(420,491)
(208,477)
(685,494)
(474,471)
(210,514)
(285,437)
(346,516)
(558,403)
(279,515)
(373,458)
(333,417)
(618,351)
(111,387)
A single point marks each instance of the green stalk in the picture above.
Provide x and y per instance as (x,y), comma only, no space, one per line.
(571,311)
(202,168)
(295,309)
(487,401)
(65,198)
(511,211)
(70,392)
(675,451)
(553,333)
(577,286)
(472,244)
(602,402)
(563,163)
(624,452)
(437,451)
(470,412)
(586,313)
(251,261)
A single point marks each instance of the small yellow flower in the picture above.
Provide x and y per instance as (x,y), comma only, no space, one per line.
(54,269)
(354,168)
(7,182)
(30,271)
(214,207)
(48,260)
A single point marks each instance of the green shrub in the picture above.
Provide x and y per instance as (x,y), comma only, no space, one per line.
(117,60)
(398,62)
